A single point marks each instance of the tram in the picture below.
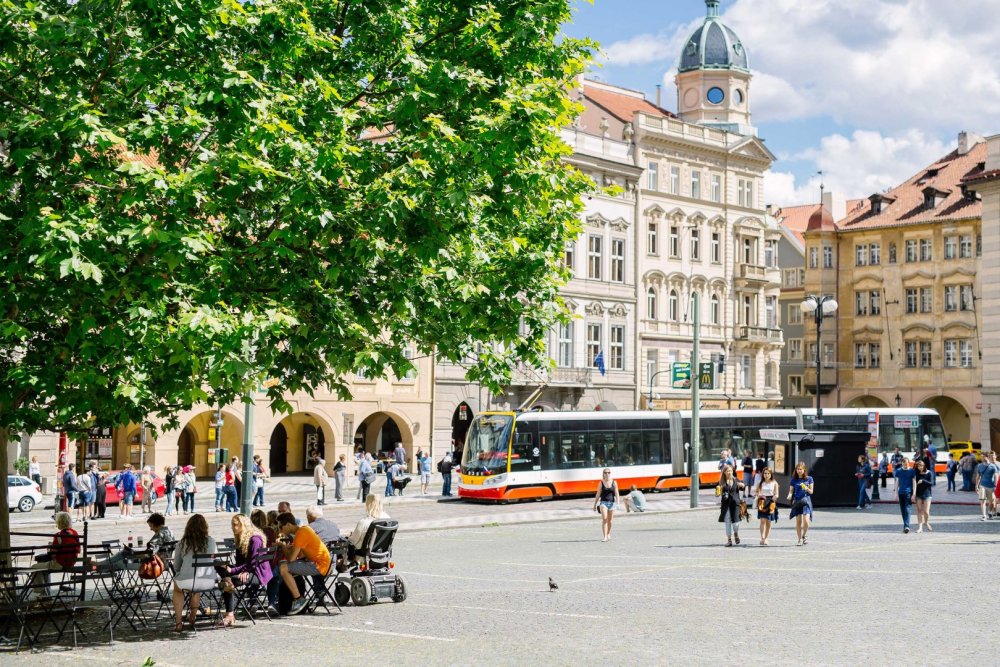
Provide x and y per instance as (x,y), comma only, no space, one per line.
(534,455)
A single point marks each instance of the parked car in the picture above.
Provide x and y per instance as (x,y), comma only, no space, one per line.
(112,493)
(22,493)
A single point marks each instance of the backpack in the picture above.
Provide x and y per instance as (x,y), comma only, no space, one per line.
(441,466)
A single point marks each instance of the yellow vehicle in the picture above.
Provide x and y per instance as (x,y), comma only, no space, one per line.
(960,447)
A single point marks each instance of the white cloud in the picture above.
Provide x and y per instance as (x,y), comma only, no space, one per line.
(640,50)
(874,63)
(856,166)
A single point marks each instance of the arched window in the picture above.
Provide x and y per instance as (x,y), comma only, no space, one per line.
(651,310)
(672,305)
(713,311)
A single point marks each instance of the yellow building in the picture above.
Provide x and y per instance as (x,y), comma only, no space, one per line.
(903,266)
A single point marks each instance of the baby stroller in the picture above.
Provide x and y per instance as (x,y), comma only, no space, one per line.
(371,577)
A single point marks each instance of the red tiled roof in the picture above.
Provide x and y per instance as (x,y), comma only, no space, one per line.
(908,205)
(622,106)
(796,218)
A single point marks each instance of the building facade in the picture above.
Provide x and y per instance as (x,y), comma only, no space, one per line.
(904,268)
(987,184)
(792,261)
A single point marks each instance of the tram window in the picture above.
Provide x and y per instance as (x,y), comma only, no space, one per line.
(652,445)
(602,449)
(522,454)
(629,444)
(549,446)
(574,451)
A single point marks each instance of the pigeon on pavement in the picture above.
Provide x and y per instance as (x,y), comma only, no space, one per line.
(553,586)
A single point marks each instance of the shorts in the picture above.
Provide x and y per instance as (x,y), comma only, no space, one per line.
(610,504)
(303,567)
(985,492)
(128,498)
(86,498)
(425,478)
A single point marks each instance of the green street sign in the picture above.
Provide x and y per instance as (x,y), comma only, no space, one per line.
(681,375)
(706,375)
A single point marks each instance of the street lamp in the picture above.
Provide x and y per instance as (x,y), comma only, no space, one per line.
(649,403)
(899,400)
(819,307)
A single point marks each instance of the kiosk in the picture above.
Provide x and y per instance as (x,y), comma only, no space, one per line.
(830,458)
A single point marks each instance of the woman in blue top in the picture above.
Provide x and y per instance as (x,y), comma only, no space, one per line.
(925,485)
(800,493)
(904,489)
(862,471)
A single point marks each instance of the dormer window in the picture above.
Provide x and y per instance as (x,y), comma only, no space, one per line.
(879,202)
(933,196)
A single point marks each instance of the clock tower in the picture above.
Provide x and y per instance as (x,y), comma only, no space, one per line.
(713,78)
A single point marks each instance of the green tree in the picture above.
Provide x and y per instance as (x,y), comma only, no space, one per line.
(199,194)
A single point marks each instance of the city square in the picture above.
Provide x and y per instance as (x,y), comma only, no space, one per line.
(508,269)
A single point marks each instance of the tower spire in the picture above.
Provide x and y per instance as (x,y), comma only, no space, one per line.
(713,7)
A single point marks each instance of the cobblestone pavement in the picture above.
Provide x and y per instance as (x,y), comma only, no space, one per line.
(664,590)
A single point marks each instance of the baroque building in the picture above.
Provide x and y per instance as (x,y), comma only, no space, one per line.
(904,266)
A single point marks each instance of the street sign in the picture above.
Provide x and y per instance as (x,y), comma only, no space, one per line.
(906,422)
(706,376)
(681,375)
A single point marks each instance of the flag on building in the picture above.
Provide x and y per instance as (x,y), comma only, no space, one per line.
(599,361)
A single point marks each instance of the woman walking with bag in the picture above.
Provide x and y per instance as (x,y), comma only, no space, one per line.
(605,501)
(925,485)
(800,494)
(729,493)
(767,505)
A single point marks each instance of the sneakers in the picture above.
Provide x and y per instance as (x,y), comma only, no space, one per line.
(799,542)
(297,606)
(736,538)
(272,610)
(906,529)
(920,529)
(858,507)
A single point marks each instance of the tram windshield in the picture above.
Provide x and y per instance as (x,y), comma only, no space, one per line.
(487,444)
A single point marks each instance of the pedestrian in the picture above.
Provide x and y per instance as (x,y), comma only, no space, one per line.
(747,464)
(968,466)
(359,454)
(60,498)
(169,477)
(925,486)
(767,503)
(339,477)
(986,484)
(35,471)
(800,494)
(730,504)
(190,488)
(320,478)
(366,475)
(861,473)
(261,476)
(232,500)
(950,469)
(220,486)
(444,467)
(388,475)
(424,462)
(896,460)
(126,487)
(400,455)
(605,501)
(85,497)
(904,490)
(71,488)
(883,468)
(101,495)
(236,467)
(932,454)
(148,490)
(758,469)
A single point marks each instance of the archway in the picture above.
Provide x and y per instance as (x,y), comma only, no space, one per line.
(953,416)
(278,462)
(461,419)
(297,440)
(866,402)
(199,432)
(380,432)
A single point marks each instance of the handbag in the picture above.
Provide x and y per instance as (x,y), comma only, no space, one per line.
(152,567)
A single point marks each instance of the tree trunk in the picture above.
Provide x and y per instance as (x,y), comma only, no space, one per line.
(4,511)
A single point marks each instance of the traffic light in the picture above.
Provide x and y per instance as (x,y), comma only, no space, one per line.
(722,363)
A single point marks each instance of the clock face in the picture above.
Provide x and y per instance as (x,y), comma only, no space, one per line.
(715,95)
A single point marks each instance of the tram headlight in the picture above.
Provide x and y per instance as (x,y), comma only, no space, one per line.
(496,480)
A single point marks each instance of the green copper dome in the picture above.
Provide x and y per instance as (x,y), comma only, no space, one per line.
(713,46)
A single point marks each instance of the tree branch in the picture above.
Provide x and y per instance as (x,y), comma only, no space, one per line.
(112,54)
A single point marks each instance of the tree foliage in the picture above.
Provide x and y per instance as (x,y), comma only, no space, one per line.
(199,194)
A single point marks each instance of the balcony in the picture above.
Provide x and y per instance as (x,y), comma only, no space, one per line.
(760,335)
(751,275)
(562,377)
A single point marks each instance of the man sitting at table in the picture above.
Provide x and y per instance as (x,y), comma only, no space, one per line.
(306,555)
(326,530)
(62,553)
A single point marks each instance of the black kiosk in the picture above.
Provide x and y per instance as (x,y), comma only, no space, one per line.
(830,458)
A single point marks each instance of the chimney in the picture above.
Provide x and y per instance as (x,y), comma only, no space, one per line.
(966,140)
(658,86)
(836,204)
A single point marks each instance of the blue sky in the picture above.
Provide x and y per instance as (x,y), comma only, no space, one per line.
(868,91)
